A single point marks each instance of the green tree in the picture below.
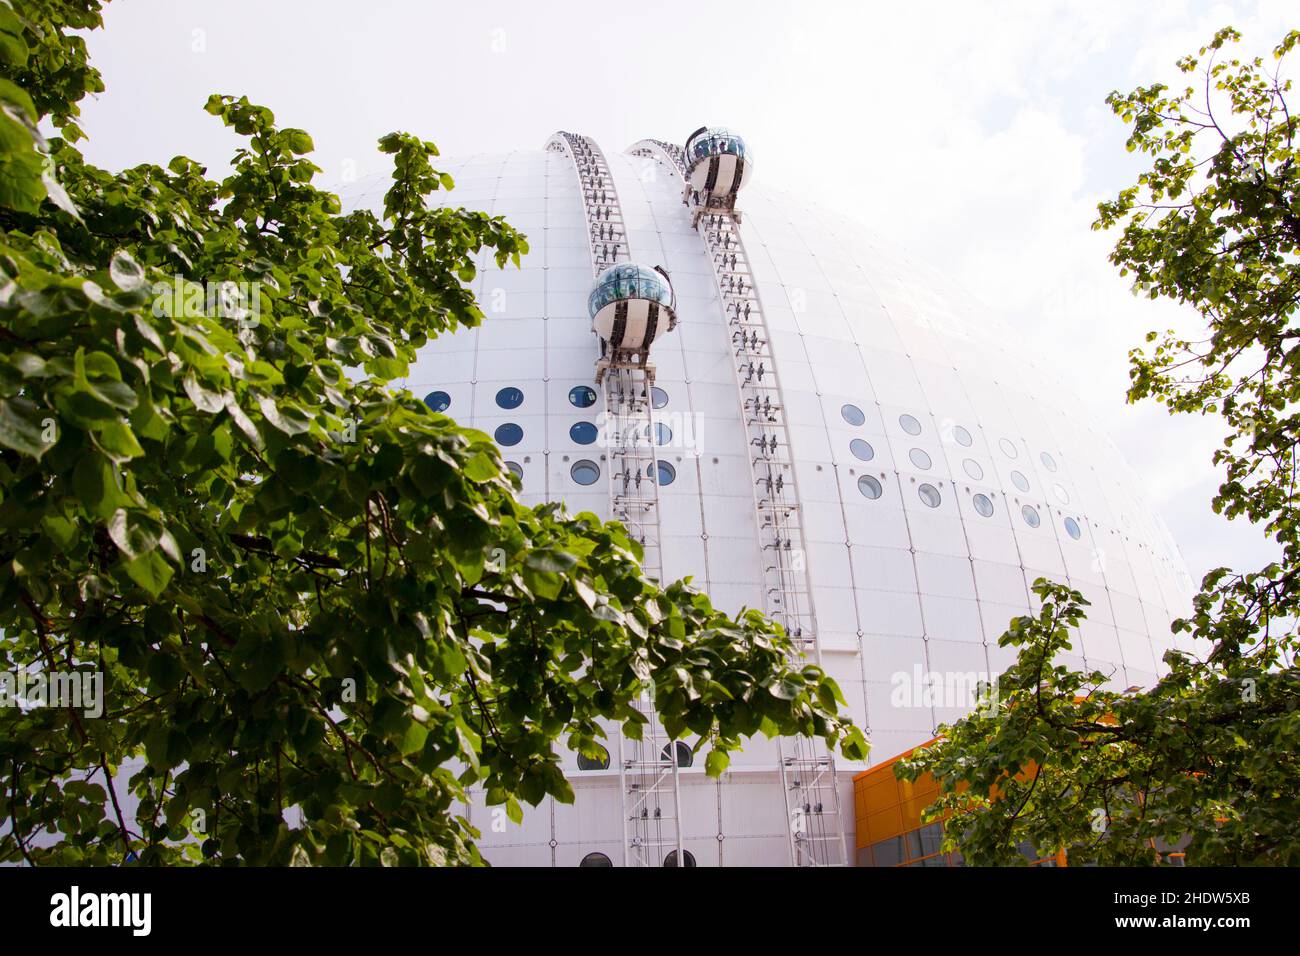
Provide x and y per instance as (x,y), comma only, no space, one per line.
(303,587)
(1212,752)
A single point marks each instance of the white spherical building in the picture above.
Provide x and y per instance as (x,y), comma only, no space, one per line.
(928,471)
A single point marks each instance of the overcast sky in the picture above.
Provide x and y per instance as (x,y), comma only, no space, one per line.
(974,134)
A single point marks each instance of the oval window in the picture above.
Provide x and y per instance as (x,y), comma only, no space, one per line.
(1008,447)
(929,494)
(909,424)
(983,505)
(438,401)
(1072,529)
(869,487)
(962,436)
(920,458)
(658,397)
(1030,514)
(509,434)
(973,469)
(584,433)
(582,396)
(671,858)
(1048,461)
(684,755)
(592,763)
(510,397)
(1020,481)
(516,469)
(585,472)
(853,415)
(663,434)
(596,859)
(1062,495)
(862,450)
(667,473)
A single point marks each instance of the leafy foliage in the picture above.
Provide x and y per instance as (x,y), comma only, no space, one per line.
(1210,753)
(1056,760)
(304,589)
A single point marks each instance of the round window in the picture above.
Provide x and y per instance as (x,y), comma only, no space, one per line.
(983,505)
(584,433)
(510,397)
(658,397)
(909,424)
(593,763)
(1062,495)
(929,494)
(853,415)
(862,449)
(585,472)
(972,468)
(1008,447)
(919,458)
(663,434)
(1072,529)
(1020,481)
(516,469)
(582,396)
(671,858)
(509,434)
(596,859)
(962,436)
(1030,514)
(667,473)
(438,401)
(684,755)
(869,487)
(1048,461)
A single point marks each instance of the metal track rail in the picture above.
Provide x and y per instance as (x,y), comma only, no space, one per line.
(648,768)
(806,766)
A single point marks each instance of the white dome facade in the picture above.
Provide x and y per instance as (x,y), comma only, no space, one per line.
(939,472)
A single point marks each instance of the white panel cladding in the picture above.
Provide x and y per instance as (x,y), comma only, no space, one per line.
(953,430)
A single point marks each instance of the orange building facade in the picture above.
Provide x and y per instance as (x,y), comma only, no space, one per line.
(889,831)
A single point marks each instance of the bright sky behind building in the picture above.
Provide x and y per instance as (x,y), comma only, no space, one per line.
(976,136)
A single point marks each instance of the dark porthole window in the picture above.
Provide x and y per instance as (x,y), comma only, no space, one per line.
(596,859)
(853,415)
(663,434)
(1008,447)
(1048,461)
(973,469)
(1031,517)
(671,858)
(658,397)
(862,449)
(510,397)
(584,433)
(1072,529)
(920,459)
(509,434)
(516,469)
(909,424)
(593,763)
(585,472)
(684,756)
(929,494)
(869,487)
(1020,481)
(438,401)
(582,396)
(667,473)
(962,436)
(983,505)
